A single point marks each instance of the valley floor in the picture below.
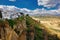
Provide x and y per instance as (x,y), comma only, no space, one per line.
(52,25)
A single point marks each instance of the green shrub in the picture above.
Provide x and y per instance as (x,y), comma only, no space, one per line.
(11,22)
(38,31)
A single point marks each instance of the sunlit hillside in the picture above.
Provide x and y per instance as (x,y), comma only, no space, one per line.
(51,24)
(25,28)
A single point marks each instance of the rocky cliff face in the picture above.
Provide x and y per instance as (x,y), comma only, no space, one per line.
(17,32)
(6,32)
(23,28)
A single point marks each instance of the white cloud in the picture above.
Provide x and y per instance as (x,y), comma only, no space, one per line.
(8,8)
(48,3)
(44,11)
(25,9)
(14,9)
(12,0)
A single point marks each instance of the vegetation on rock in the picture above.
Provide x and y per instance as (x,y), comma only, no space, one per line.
(15,29)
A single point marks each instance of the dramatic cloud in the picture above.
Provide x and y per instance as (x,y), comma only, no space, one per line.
(48,3)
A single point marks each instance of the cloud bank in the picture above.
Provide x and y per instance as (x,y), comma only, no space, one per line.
(14,9)
(49,3)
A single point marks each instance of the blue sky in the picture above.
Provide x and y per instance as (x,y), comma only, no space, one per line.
(34,6)
(29,4)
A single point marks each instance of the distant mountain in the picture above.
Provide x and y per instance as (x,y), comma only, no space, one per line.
(46,15)
(7,11)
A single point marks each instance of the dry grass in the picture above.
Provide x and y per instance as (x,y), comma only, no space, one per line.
(52,25)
